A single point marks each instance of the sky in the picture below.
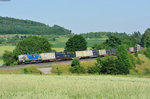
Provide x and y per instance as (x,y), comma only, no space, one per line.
(83,16)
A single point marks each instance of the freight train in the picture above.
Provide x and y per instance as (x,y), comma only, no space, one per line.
(54,56)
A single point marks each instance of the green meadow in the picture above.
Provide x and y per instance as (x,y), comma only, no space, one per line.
(73,87)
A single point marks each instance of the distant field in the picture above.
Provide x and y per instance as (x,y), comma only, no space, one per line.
(73,87)
(3,48)
(90,43)
(58,49)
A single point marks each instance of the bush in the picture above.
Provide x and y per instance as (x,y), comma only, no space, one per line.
(27,70)
(96,68)
(9,58)
(109,66)
(136,54)
(31,70)
(147,52)
(77,69)
(93,70)
(75,66)
(75,62)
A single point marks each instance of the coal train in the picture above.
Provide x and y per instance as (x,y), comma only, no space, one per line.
(55,56)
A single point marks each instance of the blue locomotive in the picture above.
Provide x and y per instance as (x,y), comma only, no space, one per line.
(30,58)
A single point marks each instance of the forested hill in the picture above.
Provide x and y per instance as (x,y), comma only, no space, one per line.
(18,26)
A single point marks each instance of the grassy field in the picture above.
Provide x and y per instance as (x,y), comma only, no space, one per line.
(90,43)
(73,87)
(143,68)
(3,48)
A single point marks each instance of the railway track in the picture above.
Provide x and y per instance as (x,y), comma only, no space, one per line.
(42,64)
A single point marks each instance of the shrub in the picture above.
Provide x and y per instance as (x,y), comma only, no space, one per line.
(77,69)
(27,70)
(109,65)
(75,62)
(96,68)
(31,70)
(93,70)
(75,66)
(9,58)
(147,52)
(136,54)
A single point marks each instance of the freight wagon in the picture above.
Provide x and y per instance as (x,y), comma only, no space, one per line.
(53,56)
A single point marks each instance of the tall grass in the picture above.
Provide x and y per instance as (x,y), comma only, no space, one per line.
(143,68)
(23,70)
(73,87)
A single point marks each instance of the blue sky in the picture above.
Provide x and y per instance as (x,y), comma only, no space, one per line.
(82,16)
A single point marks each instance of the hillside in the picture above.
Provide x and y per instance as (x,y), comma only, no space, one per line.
(18,26)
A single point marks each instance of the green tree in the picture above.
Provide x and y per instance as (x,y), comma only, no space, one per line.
(8,58)
(32,44)
(76,43)
(146,38)
(137,36)
(113,42)
(123,60)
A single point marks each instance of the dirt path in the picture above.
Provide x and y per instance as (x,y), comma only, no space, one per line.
(45,70)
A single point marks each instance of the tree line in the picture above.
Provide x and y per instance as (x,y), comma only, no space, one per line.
(114,41)
(18,26)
